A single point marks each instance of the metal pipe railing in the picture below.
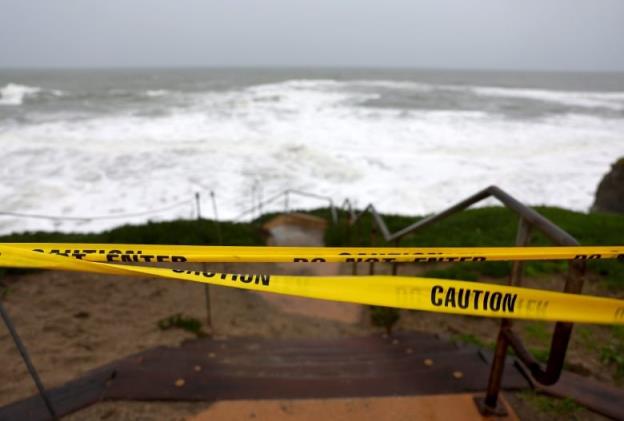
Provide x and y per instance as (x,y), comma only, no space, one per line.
(529,219)
(552,231)
(43,393)
(286,194)
(489,404)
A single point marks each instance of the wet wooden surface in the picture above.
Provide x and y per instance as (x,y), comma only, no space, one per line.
(72,396)
(249,369)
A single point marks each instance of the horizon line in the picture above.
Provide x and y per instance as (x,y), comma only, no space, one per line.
(305,67)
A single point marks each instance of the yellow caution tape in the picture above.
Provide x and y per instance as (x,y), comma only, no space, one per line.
(142,253)
(438,295)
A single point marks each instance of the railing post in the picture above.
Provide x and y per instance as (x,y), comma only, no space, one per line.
(395,265)
(206,286)
(489,405)
(373,235)
(253,200)
(349,229)
(29,365)
(355,233)
(563,331)
(216,217)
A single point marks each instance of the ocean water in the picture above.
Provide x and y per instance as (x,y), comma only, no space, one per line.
(119,144)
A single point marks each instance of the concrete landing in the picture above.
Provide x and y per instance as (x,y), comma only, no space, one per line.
(296,229)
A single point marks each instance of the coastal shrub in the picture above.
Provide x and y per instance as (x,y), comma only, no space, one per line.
(179,321)
(384,317)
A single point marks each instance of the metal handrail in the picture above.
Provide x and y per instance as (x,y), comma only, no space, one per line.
(285,194)
(552,231)
(97,217)
(528,218)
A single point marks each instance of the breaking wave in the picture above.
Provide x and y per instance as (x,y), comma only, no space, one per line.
(412,148)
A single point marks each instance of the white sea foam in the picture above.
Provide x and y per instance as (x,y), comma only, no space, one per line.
(14,94)
(154,93)
(306,135)
(611,100)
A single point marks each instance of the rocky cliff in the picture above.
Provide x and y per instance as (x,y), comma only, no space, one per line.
(610,193)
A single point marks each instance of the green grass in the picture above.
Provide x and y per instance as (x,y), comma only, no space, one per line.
(490,226)
(384,317)
(537,331)
(470,339)
(585,336)
(4,292)
(496,226)
(179,321)
(561,408)
(174,232)
(189,232)
(613,352)
(539,353)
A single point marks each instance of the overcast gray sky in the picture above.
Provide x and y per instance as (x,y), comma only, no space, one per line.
(485,34)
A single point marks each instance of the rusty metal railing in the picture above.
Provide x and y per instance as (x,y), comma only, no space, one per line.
(529,219)
(258,204)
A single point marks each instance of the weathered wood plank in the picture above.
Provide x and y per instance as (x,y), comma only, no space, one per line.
(70,397)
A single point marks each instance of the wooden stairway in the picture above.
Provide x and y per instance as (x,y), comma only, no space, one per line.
(249,369)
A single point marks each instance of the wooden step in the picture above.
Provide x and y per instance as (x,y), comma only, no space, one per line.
(251,368)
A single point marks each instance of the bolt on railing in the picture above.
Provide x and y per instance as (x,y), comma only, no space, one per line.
(204,267)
